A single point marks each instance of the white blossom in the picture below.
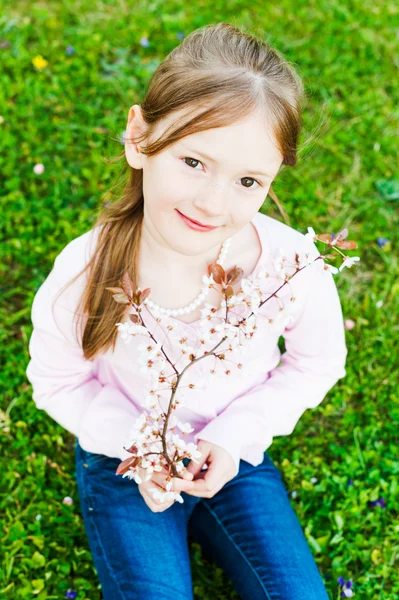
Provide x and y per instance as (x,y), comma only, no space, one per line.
(150,466)
(151,364)
(133,473)
(349,261)
(226,329)
(128,329)
(281,265)
(185,428)
(331,268)
(308,257)
(157,494)
(311,235)
(150,348)
(208,280)
(283,318)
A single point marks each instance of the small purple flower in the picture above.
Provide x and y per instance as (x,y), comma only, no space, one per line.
(350,482)
(380,502)
(346,587)
(70,50)
(381,241)
(346,593)
(70,593)
(144,42)
(180,35)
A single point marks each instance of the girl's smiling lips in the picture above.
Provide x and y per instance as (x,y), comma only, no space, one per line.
(195,224)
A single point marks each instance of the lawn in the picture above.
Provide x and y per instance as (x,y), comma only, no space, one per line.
(69,73)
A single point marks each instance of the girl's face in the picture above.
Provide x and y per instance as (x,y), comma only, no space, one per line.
(218,177)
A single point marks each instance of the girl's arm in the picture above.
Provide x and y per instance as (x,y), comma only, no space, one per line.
(64,383)
(314,360)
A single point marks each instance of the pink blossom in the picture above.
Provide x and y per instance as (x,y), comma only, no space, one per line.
(38,168)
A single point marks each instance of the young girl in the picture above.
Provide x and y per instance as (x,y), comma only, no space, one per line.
(220,117)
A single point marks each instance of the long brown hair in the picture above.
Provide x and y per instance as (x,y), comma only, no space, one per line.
(219,74)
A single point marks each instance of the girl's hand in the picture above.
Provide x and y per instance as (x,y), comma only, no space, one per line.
(221,469)
(158,479)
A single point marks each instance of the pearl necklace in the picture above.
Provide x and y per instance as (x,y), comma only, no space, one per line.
(175,312)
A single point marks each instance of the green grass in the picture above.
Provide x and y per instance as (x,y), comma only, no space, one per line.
(69,117)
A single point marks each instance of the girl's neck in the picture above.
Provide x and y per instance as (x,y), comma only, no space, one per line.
(179,286)
(156,254)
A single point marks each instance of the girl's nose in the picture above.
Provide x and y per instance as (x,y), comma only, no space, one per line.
(212,202)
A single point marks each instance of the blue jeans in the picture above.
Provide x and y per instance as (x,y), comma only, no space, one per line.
(249,528)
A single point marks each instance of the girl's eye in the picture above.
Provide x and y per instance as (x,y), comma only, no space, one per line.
(250,179)
(192,159)
(187,158)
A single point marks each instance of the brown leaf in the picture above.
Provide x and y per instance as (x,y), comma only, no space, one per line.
(115,290)
(325,237)
(346,245)
(217,271)
(133,449)
(234,275)
(228,292)
(342,234)
(144,294)
(121,299)
(127,285)
(125,464)
(134,318)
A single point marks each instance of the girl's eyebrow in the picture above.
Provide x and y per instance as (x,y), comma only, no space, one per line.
(213,160)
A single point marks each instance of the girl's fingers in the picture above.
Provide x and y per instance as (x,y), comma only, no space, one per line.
(178,485)
(152,503)
(159,480)
(184,474)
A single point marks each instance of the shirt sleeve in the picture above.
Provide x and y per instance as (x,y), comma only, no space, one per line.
(63,381)
(313,362)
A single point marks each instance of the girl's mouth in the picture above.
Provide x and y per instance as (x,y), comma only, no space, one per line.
(193,224)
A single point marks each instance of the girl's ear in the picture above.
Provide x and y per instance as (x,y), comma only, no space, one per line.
(135,128)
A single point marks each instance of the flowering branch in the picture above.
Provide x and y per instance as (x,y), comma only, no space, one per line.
(152,445)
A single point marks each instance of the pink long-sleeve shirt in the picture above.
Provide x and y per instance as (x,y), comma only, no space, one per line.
(99,400)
